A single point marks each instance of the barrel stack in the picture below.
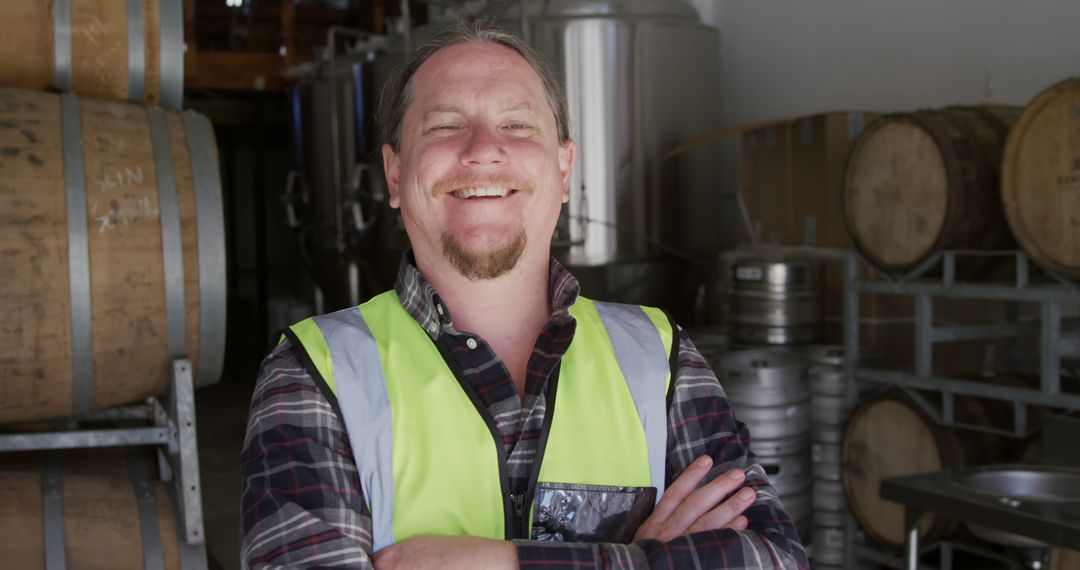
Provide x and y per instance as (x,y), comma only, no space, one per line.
(112,238)
(978,181)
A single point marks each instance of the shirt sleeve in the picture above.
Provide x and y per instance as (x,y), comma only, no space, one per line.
(301,503)
(700,422)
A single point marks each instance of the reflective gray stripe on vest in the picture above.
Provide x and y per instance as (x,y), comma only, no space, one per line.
(362,397)
(643,359)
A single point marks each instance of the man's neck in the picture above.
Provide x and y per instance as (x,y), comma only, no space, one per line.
(507,312)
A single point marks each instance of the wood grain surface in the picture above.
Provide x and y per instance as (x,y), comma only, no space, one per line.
(1041,179)
(101,523)
(128,321)
(99,47)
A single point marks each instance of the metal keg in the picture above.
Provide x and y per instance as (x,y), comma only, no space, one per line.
(786,462)
(768,391)
(711,342)
(826,452)
(829,496)
(829,519)
(828,547)
(775,301)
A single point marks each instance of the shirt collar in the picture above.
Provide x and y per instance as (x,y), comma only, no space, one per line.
(422,301)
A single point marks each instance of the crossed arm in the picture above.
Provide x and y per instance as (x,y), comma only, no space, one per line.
(685,508)
(302,505)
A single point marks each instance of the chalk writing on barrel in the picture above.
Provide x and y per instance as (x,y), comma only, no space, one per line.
(116,177)
(118,215)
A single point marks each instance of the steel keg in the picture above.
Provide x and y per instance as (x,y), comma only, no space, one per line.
(828,547)
(829,496)
(826,452)
(768,391)
(775,301)
(786,462)
(711,342)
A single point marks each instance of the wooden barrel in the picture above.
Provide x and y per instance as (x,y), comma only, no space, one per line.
(90,522)
(112,251)
(115,50)
(917,183)
(1041,179)
(888,436)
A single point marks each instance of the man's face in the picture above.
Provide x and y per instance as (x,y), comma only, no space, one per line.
(480,174)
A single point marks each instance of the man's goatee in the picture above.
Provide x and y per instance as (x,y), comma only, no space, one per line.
(489,265)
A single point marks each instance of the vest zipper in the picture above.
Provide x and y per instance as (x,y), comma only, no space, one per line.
(521,526)
(541,446)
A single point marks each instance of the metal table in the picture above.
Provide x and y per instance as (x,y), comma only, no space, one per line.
(1055,523)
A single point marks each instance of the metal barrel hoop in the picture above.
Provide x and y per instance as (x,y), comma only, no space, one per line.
(82,364)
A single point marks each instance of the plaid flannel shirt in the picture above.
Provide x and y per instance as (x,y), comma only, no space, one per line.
(302,505)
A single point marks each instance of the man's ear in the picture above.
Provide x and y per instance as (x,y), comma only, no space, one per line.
(392,168)
(567,154)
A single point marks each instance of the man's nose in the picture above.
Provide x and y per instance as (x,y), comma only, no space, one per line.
(483,146)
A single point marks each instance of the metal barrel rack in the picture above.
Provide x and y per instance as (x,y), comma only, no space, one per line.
(1058,339)
(170,427)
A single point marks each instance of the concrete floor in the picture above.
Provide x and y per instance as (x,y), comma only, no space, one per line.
(221,417)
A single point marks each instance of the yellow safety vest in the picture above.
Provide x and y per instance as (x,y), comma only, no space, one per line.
(430,457)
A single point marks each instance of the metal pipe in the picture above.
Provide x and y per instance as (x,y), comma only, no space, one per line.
(970,388)
(88,438)
(335,134)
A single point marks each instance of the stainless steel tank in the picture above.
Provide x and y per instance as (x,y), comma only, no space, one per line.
(641,77)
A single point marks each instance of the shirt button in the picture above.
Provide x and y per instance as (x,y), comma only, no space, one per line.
(439,309)
(434,328)
(471,343)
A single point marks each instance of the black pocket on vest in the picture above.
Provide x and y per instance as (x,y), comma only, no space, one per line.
(566,512)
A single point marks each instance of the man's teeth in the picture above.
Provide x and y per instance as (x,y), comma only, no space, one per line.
(482,192)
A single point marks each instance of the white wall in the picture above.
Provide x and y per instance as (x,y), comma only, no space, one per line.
(783,58)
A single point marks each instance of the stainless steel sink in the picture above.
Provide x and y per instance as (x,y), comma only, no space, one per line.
(1015,486)
(1026,484)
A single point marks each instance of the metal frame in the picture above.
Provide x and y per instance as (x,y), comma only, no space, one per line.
(1058,339)
(172,428)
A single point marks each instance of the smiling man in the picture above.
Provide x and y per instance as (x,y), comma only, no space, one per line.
(483,414)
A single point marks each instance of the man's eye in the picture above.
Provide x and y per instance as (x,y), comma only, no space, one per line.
(518,126)
(443,128)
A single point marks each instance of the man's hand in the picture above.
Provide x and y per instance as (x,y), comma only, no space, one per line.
(447,553)
(683,510)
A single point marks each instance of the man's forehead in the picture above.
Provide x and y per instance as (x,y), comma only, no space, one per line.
(509,106)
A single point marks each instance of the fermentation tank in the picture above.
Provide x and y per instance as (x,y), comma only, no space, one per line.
(641,77)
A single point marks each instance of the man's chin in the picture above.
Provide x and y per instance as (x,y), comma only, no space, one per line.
(481,264)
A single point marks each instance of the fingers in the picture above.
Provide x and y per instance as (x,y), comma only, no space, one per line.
(705,499)
(728,514)
(685,484)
